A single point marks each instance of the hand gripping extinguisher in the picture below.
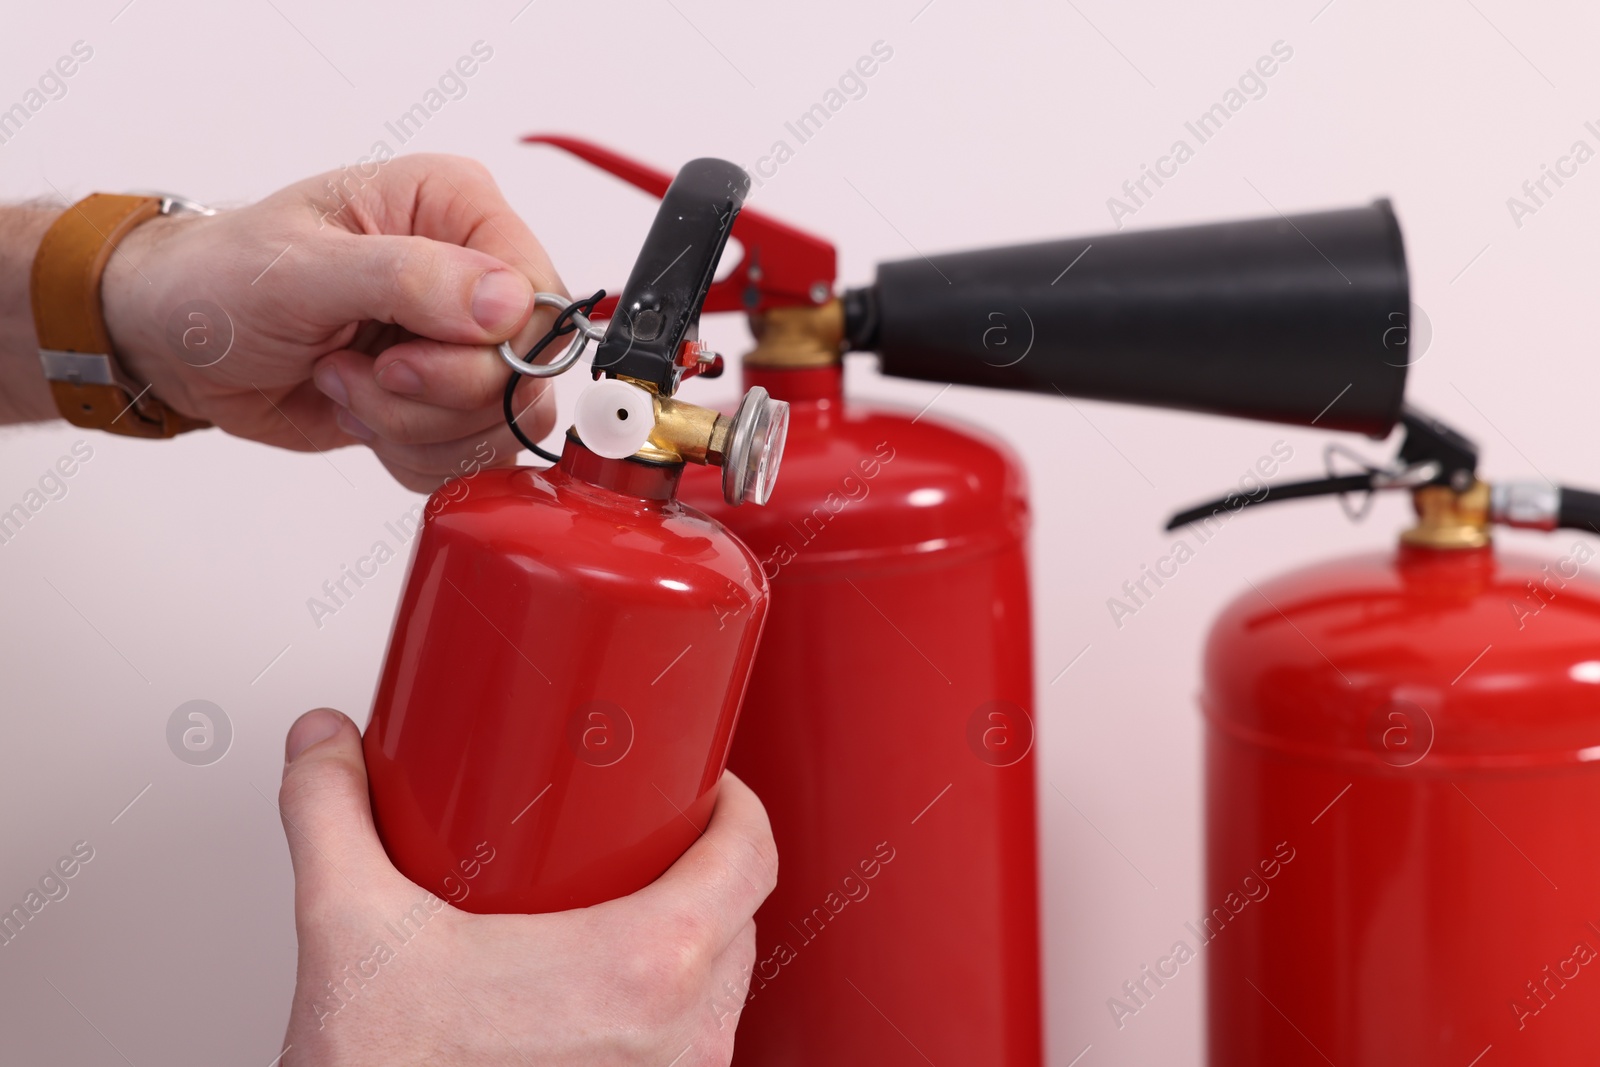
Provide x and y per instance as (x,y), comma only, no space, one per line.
(890,732)
(1403,785)
(563,676)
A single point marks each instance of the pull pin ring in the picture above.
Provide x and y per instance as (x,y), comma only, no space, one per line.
(572,312)
(573,316)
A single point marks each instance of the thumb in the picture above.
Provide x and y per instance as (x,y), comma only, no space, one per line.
(726,874)
(432,288)
(326,812)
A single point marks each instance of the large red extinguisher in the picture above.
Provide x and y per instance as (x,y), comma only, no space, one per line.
(893,743)
(563,675)
(1403,786)
(891,720)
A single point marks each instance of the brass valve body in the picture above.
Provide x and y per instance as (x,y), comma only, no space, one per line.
(1450,519)
(798,336)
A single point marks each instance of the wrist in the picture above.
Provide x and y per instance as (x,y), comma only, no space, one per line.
(134,292)
(24,394)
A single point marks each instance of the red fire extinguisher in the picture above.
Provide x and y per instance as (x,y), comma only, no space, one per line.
(890,722)
(891,735)
(1403,786)
(564,672)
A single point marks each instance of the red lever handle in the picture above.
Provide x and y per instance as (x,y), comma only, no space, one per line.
(781,266)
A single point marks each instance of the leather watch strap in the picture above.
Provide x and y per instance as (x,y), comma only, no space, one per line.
(90,388)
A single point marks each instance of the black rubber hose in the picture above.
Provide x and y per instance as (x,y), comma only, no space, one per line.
(1349,483)
(1579,510)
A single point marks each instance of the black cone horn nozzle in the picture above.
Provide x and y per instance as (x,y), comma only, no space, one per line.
(1298,319)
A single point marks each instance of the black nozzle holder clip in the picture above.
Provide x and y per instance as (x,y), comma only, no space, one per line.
(1298,319)
(660,306)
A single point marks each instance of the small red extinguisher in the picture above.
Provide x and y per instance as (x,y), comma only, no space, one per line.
(563,677)
(1403,786)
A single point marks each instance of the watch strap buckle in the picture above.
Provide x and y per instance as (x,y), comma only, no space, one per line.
(89,387)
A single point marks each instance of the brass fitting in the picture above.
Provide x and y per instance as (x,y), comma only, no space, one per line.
(686,432)
(1450,519)
(798,336)
(623,418)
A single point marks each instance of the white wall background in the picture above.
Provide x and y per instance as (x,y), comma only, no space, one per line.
(179,571)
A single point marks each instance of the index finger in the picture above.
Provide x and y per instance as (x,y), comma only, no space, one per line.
(458,201)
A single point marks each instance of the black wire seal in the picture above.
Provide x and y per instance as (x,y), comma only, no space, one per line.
(562,326)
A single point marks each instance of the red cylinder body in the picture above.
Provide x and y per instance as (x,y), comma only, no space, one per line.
(1403,814)
(562,682)
(888,730)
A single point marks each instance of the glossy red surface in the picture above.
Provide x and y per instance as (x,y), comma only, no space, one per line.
(888,731)
(562,682)
(1421,731)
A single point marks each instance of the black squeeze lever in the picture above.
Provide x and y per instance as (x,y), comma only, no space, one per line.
(660,306)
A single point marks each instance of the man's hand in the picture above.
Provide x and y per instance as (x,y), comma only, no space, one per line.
(652,979)
(350,308)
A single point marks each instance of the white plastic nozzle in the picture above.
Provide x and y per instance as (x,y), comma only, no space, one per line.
(614,419)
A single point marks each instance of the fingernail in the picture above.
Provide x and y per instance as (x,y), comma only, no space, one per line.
(401,379)
(500,299)
(308,729)
(352,425)
(330,385)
